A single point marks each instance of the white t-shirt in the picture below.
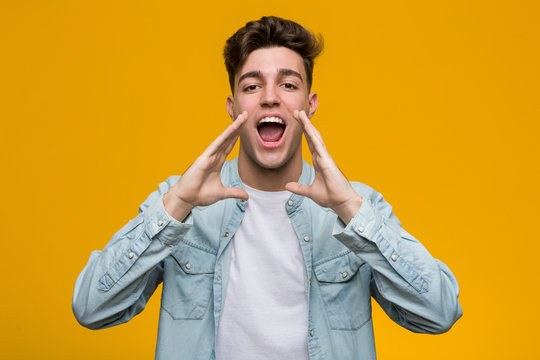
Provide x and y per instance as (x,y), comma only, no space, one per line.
(265,313)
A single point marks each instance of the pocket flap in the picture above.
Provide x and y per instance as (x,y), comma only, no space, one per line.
(194,260)
(340,269)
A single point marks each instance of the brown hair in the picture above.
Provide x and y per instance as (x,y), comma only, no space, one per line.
(267,32)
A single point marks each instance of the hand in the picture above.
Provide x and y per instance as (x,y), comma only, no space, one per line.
(330,188)
(201,183)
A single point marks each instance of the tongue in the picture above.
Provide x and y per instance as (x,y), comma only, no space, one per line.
(271,132)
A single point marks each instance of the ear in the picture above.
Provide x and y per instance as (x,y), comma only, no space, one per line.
(230,106)
(313,103)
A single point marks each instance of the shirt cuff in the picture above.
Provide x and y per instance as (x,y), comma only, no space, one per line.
(360,231)
(162,226)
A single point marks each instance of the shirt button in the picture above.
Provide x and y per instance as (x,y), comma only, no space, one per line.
(311,332)
(394,257)
(226,234)
(188,266)
(290,202)
(344,274)
(160,222)
(361,229)
(306,238)
(131,255)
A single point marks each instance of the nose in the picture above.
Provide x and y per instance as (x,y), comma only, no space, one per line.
(270,97)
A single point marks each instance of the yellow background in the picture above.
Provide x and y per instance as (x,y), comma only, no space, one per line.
(433,103)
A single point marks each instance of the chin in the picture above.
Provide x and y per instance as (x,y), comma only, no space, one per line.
(275,160)
(271,164)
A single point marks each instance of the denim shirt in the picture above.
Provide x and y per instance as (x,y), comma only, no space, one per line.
(345,266)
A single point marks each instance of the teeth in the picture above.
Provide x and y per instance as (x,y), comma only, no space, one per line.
(271,119)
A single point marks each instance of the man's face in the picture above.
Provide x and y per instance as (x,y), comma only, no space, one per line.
(270,86)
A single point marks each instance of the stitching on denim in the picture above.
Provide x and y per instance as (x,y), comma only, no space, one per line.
(200,247)
(331,257)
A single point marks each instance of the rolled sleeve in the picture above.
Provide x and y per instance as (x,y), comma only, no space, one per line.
(360,231)
(158,226)
(370,232)
(162,226)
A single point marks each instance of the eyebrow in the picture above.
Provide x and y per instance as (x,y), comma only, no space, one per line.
(289,72)
(251,74)
(281,72)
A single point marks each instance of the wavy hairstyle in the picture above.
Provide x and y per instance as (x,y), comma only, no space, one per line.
(271,31)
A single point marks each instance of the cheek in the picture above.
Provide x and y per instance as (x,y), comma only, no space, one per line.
(295,130)
(245,103)
(297,103)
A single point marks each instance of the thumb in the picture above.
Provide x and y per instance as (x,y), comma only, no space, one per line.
(233,192)
(298,189)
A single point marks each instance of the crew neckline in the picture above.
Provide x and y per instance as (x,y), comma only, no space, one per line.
(280,193)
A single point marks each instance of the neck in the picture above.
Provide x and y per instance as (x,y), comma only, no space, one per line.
(269,179)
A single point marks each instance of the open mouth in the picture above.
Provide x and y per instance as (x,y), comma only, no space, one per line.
(271,129)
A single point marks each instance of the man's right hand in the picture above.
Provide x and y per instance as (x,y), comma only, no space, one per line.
(201,183)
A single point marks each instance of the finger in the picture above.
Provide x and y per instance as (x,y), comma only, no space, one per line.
(230,135)
(308,138)
(308,125)
(230,146)
(299,189)
(312,133)
(297,117)
(233,192)
(233,129)
(309,130)
(241,119)
(231,141)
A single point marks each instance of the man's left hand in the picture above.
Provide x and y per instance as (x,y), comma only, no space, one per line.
(330,188)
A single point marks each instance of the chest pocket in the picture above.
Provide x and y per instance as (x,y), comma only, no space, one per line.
(187,282)
(344,284)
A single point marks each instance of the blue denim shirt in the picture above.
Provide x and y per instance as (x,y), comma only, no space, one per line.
(346,265)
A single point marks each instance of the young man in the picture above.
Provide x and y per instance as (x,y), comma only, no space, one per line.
(264,256)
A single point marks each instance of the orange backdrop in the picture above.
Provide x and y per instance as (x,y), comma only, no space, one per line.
(434,104)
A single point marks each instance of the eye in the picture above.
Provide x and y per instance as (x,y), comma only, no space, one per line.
(250,88)
(290,86)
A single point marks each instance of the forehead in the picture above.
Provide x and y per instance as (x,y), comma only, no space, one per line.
(269,61)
